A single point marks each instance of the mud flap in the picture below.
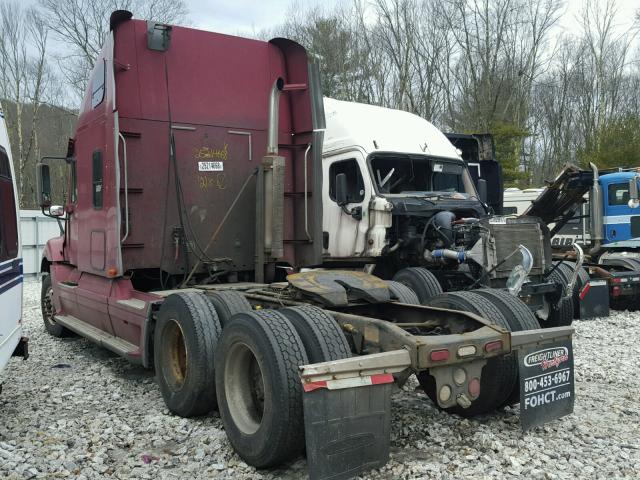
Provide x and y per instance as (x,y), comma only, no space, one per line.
(22,349)
(347,413)
(594,299)
(546,382)
(347,429)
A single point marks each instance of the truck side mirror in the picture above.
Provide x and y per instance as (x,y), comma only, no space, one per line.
(43,185)
(482,190)
(341,189)
(634,202)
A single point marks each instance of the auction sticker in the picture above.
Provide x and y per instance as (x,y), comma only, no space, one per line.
(210,166)
(546,383)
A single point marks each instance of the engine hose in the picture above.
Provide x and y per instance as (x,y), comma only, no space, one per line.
(459,255)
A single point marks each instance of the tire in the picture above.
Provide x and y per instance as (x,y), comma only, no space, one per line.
(421,281)
(402,293)
(566,270)
(227,303)
(261,412)
(48,310)
(560,310)
(520,318)
(498,375)
(321,335)
(185,339)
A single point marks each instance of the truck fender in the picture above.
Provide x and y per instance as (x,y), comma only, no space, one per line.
(52,252)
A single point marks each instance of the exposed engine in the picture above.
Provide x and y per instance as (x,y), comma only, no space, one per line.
(443,240)
(456,241)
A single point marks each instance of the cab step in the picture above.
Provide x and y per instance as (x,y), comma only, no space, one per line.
(104,339)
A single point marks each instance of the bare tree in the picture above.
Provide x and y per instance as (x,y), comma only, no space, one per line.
(24,79)
(83,24)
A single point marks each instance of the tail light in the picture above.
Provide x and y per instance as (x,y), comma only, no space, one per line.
(439,355)
(493,346)
(474,387)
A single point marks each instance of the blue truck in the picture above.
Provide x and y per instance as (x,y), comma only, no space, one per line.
(600,211)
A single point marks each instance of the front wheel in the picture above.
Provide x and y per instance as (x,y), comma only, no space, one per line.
(49,310)
(421,281)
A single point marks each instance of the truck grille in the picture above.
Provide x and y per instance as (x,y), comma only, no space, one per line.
(527,232)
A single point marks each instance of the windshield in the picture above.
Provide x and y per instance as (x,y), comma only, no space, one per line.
(398,173)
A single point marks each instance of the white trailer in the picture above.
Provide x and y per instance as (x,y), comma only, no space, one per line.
(516,201)
(11,340)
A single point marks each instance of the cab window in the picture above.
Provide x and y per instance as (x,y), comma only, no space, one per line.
(618,194)
(98,84)
(355,183)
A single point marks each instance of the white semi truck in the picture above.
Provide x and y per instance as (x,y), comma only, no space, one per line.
(399,198)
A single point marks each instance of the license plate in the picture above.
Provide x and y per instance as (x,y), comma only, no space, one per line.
(546,383)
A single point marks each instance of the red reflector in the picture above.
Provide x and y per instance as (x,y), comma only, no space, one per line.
(493,346)
(439,355)
(381,378)
(615,291)
(474,387)
(585,290)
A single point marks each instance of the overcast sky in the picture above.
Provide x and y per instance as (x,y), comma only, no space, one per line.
(237,16)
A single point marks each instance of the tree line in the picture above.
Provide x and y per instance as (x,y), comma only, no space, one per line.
(46,54)
(498,66)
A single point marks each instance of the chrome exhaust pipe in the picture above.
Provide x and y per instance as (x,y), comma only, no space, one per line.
(273,176)
(274,116)
(596,212)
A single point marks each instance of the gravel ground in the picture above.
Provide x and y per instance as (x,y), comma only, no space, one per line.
(74,410)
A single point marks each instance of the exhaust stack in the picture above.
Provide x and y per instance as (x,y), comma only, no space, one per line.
(271,186)
(274,116)
(596,212)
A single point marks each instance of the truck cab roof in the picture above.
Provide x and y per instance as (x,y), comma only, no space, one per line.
(379,129)
(617,177)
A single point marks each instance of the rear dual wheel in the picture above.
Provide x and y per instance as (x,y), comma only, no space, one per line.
(257,378)
(560,308)
(498,375)
(566,271)
(520,318)
(185,339)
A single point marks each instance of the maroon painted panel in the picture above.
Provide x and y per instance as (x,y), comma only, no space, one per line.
(95,231)
(218,86)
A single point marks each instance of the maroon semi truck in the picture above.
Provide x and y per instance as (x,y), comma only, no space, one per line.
(192,225)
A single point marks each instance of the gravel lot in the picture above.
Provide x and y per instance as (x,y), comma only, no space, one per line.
(75,410)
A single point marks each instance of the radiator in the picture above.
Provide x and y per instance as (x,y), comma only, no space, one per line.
(519,231)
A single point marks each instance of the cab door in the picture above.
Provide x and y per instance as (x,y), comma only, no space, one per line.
(621,221)
(94,222)
(346,232)
(96,248)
